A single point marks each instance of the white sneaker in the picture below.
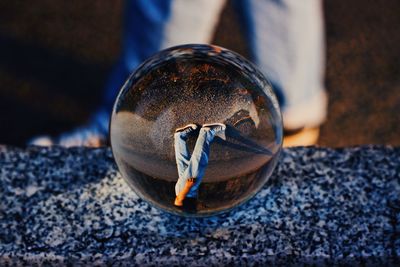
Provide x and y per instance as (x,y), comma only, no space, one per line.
(219,129)
(187,129)
(94,134)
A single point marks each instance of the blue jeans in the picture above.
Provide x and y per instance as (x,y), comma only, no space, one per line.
(192,166)
(286,38)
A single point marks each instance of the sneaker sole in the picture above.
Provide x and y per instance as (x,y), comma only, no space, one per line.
(193,126)
(306,137)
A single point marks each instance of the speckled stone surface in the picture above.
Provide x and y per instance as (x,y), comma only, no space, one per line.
(324,206)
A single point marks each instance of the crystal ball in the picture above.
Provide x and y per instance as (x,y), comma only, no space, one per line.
(196,85)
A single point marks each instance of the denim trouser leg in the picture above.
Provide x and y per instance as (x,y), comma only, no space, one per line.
(182,153)
(152,25)
(286,38)
(143,29)
(198,161)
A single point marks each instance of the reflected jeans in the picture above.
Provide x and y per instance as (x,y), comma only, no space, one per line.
(192,166)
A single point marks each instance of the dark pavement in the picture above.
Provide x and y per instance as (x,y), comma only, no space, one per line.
(55,57)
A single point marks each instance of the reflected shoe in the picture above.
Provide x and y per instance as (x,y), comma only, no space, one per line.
(182,195)
(301,137)
(188,129)
(219,129)
(94,134)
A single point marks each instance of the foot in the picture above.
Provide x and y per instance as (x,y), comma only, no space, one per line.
(182,195)
(94,134)
(178,202)
(301,137)
(219,129)
(89,136)
(188,129)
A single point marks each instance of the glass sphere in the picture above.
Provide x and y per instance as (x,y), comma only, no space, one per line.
(196,84)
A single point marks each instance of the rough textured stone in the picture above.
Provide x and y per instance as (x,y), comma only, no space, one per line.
(70,206)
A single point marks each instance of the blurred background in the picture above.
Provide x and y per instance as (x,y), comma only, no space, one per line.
(55,57)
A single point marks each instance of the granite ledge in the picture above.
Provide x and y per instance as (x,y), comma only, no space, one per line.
(322,206)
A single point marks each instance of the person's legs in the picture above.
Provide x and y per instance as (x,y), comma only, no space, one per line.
(149,26)
(152,25)
(198,161)
(142,36)
(287,40)
(182,154)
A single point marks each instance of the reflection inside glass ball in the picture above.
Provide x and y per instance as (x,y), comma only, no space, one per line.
(196,130)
